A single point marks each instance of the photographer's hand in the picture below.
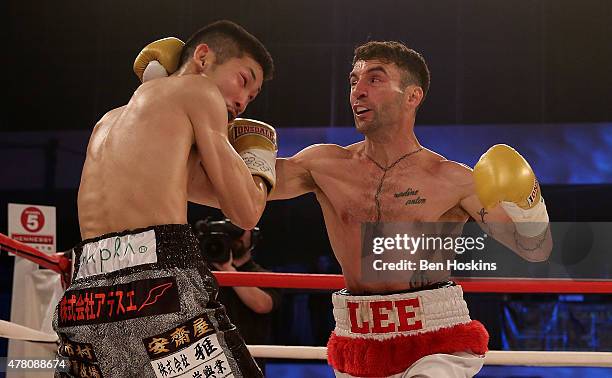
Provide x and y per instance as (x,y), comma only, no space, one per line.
(253,297)
(227,266)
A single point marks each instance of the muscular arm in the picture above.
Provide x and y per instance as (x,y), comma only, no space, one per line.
(240,196)
(199,189)
(496,222)
(293,179)
(293,175)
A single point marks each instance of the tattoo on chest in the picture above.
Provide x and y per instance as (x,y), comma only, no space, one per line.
(377,197)
(410,194)
(382,179)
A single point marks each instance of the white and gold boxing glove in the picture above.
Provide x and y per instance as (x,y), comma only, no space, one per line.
(255,142)
(158,59)
(502,176)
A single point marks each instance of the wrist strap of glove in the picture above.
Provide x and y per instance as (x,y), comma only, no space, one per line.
(154,70)
(529,222)
(261,163)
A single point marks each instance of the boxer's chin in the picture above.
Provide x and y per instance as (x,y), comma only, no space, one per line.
(364,127)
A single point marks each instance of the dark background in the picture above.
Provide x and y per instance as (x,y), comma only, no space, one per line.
(493,62)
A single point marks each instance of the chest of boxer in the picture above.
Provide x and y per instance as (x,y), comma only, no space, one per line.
(359,193)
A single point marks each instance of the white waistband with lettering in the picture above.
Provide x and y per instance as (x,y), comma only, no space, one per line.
(116,253)
(385,316)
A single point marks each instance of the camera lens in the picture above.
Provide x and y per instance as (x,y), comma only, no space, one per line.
(216,247)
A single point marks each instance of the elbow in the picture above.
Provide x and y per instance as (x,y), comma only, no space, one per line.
(247,213)
(252,212)
(247,217)
(263,307)
(546,249)
(546,254)
(246,223)
(540,255)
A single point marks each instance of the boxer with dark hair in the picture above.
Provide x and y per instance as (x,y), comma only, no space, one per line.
(142,302)
(420,325)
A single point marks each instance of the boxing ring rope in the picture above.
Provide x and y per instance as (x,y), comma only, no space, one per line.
(470,285)
(60,264)
(493,357)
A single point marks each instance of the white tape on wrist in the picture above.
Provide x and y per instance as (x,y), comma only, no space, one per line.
(261,162)
(529,222)
(154,70)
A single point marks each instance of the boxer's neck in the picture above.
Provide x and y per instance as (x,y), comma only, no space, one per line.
(386,149)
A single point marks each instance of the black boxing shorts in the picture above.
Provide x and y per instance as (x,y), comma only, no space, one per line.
(142,303)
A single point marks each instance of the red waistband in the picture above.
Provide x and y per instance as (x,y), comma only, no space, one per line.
(380,358)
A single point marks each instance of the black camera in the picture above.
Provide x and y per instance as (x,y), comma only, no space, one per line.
(217,237)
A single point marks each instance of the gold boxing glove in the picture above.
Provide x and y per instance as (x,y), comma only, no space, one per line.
(503,176)
(158,59)
(255,142)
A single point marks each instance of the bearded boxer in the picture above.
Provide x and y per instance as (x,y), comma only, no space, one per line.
(142,302)
(419,326)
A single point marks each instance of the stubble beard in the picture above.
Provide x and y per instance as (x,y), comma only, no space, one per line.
(383,115)
(368,127)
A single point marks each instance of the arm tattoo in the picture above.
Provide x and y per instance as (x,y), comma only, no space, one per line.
(538,244)
(482,213)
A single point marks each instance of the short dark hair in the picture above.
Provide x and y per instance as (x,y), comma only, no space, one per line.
(229,40)
(411,63)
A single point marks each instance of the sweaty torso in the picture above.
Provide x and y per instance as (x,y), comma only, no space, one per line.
(352,190)
(138,163)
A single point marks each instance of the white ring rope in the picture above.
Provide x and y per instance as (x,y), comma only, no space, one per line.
(11,330)
(494,357)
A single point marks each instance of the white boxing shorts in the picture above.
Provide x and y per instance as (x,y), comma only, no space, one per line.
(420,333)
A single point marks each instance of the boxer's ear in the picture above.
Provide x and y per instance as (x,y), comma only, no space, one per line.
(414,96)
(202,56)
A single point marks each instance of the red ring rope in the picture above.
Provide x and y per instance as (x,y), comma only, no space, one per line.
(56,262)
(60,264)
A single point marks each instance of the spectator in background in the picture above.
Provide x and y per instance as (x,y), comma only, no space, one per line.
(230,248)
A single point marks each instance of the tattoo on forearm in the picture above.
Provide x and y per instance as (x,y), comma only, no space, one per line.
(482,213)
(411,201)
(538,244)
(488,227)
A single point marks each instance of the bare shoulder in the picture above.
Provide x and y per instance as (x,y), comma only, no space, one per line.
(195,88)
(111,115)
(107,120)
(194,85)
(318,156)
(449,170)
(197,95)
(323,151)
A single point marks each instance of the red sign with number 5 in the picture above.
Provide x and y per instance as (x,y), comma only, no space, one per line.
(32,219)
